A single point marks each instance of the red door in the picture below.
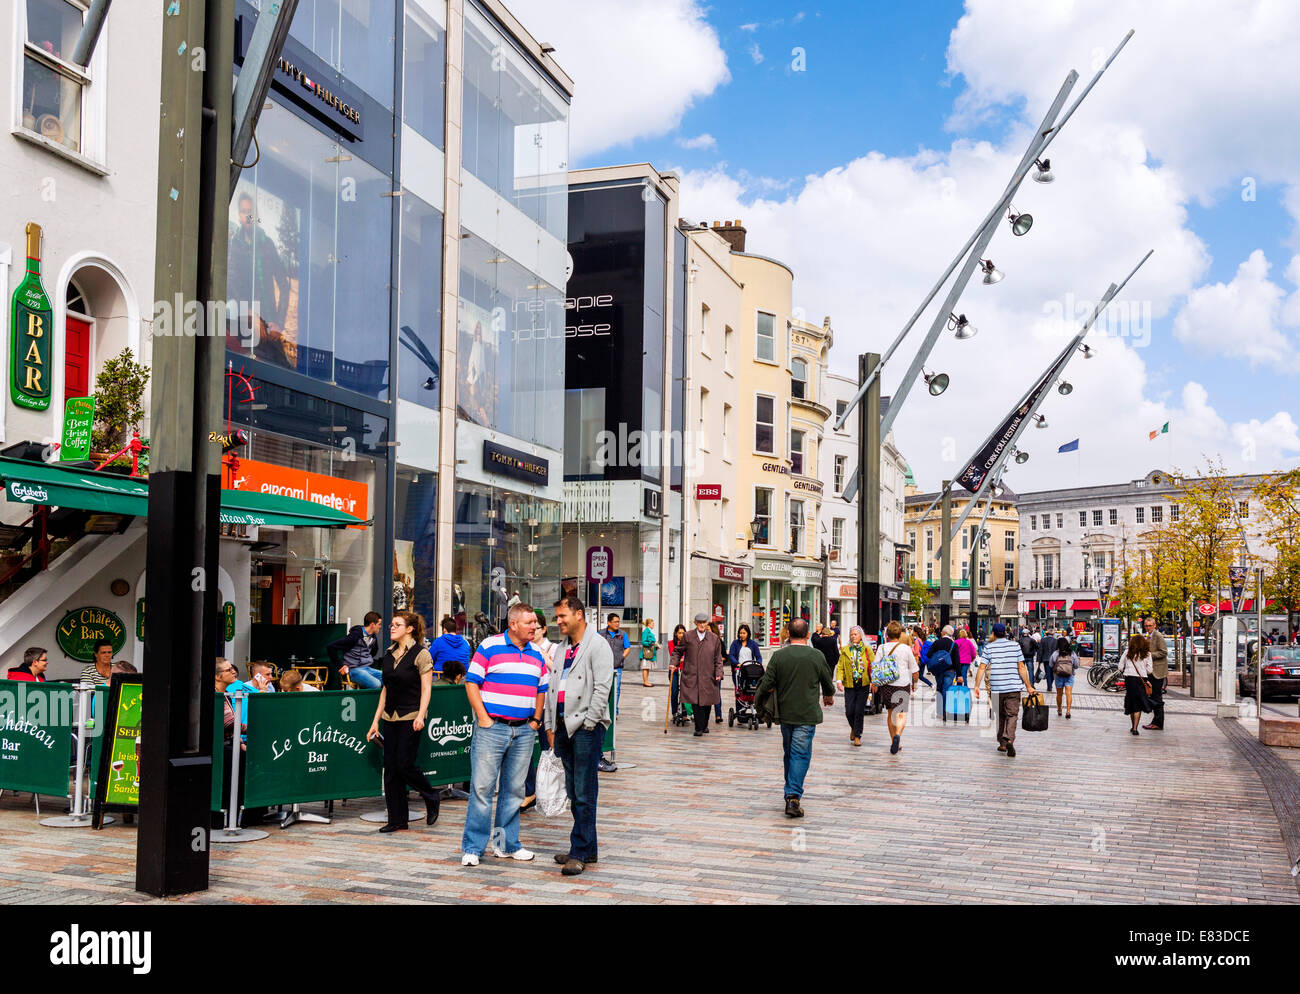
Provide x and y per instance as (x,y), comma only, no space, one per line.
(76,363)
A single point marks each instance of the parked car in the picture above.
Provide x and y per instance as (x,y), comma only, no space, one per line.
(1281,673)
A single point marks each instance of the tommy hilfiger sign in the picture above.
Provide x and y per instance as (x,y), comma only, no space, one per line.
(516,464)
(331,100)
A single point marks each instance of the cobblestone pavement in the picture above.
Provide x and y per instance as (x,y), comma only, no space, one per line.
(1084,813)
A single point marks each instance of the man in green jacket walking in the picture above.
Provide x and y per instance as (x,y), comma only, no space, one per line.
(794,674)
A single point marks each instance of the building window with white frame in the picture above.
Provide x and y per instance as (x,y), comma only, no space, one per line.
(704,419)
(56,95)
(840,462)
(929,540)
(840,407)
(1114,516)
(1033,522)
(1157,514)
(765,337)
(1243,508)
(796,527)
(799,379)
(726,432)
(1060,521)
(1009,541)
(1096,519)
(837,537)
(704,330)
(728,340)
(765,424)
(796,452)
(1083,519)
(1008,574)
(1139,515)
(763,515)
(1173,512)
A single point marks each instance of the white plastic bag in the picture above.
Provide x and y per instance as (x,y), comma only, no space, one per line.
(551,797)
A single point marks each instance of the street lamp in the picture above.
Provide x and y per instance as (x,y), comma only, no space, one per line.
(754,525)
(963,328)
(936,382)
(1020,223)
(1043,173)
(991,273)
(1087,351)
(1021,458)
(1065,389)
(1040,421)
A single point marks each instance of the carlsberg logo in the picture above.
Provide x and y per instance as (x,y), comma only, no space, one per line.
(442,733)
(21,491)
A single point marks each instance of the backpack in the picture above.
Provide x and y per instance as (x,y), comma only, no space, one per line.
(885,668)
(1027,647)
(1063,666)
(938,659)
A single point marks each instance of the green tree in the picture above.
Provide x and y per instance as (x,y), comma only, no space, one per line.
(919,596)
(1279,527)
(119,402)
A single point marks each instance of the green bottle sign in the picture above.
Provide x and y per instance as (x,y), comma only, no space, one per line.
(32,330)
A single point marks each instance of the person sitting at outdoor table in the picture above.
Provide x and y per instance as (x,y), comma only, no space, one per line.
(355,653)
(453,671)
(98,669)
(291,682)
(225,676)
(32,668)
(259,681)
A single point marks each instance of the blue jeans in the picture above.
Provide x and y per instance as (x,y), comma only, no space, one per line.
(618,689)
(580,754)
(500,752)
(367,678)
(796,741)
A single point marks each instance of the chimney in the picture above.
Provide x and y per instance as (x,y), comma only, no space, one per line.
(733,232)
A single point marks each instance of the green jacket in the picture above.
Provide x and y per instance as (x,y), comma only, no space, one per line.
(844,671)
(797,673)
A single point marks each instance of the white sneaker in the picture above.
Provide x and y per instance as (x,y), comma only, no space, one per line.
(520,854)
(468,859)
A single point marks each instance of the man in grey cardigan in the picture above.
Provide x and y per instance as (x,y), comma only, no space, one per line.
(577,714)
(1159,675)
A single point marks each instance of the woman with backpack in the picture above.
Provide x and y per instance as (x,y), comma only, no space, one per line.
(1137,673)
(1064,662)
(895,672)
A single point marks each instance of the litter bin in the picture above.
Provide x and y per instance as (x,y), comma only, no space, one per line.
(1203,676)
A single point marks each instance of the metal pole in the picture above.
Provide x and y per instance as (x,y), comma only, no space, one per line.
(84,49)
(254,82)
(945,556)
(232,832)
(868,495)
(1259,641)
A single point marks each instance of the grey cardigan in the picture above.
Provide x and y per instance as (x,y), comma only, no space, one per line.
(586,692)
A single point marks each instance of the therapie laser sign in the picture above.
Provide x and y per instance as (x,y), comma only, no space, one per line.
(77,948)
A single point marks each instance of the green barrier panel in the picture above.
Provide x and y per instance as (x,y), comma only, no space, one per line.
(310,747)
(609,732)
(98,702)
(37,721)
(219,797)
(444,743)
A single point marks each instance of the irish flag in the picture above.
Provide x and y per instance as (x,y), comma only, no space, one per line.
(1162,430)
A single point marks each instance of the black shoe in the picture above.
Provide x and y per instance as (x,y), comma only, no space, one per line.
(706,729)
(698,733)
(792,808)
(1133,730)
(563,858)
(430,813)
(393,828)
(605,766)
(894,746)
(573,867)
(717,721)
(1011,751)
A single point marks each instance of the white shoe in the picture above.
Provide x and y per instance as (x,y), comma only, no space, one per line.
(520,854)
(468,859)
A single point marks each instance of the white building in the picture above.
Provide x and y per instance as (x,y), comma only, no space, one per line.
(839,519)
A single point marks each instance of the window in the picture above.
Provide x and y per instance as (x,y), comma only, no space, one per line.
(984,574)
(1047,522)
(837,534)
(1114,516)
(1060,521)
(54,89)
(704,419)
(1083,519)
(840,407)
(1096,519)
(965,571)
(798,378)
(839,473)
(1033,522)
(765,425)
(727,338)
(1243,509)
(1157,514)
(911,540)
(1009,541)
(1047,571)
(726,432)
(796,527)
(1173,512)
(765,337)
(1009,574)
(763,515)
(419,304)
(929,573)
(425,75)
(1099,562)
(1140,515)
(796,453)
(929,540)
(704,329)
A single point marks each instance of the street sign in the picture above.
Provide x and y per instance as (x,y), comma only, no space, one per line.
(1206,609)
(600,563)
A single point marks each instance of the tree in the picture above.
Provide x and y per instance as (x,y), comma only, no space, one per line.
(1208,533)
(919,596)
(119,402)
(1160,573)
(1279,526)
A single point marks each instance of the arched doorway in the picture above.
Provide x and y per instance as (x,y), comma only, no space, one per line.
(79,337)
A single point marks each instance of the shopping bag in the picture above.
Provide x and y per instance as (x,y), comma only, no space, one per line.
(552,800)
(1033,716)
(956,700)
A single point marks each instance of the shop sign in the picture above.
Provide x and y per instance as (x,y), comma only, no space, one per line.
(735,574)
(600,563)
(717,612)
(118,786)
(515,464)
(810,485)
(651,503)
(82,627)
(775,467)
(806,574)
(139,619)
(228,622)
(708,491)
(32,330)
(774,569)
(78,423)
(848,590)
(349,496)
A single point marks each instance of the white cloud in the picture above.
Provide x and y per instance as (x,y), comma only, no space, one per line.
(664,51)
(798,17)
(705,140)
(1239,319)
(749,27)
(756,53)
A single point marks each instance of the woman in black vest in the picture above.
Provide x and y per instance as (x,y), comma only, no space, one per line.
(403,702)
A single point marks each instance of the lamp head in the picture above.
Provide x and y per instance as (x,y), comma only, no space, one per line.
(1022,458)
(991,273)
(1043,171)
(964,329)
(1064,389)
(1020,223)
(936,382)
(1041,421)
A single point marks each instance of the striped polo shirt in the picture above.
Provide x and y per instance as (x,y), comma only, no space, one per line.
(509,678)
(1004,658)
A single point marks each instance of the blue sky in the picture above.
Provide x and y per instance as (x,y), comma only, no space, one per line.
(1199,94)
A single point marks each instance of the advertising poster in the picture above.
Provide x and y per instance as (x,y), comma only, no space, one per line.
(479,348)
(117,783)
(262,275)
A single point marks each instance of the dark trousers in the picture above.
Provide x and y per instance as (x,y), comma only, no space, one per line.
(401,742)
(1008,716)
(1157,697)
(702,718)
(855,706)
(580,755)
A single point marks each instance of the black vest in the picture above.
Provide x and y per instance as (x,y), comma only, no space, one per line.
(402,681)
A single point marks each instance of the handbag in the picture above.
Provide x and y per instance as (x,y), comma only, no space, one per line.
(1035,713)
(552,799)
(648,652)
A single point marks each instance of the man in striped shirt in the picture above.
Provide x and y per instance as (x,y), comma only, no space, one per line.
(506,686)
(1005,664)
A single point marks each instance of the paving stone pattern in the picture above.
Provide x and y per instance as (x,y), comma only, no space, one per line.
(1085,813)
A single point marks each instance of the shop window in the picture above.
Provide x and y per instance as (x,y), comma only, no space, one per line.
(424,75)
(57,93)
(415,529)
(763,515)
(765,337)
(419,304)
(765,425)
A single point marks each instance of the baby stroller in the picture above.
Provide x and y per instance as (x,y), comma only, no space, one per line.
(747,677)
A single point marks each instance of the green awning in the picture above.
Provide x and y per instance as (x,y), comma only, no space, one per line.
(29,482)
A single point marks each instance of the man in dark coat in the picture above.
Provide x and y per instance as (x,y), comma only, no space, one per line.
(828,645)
(700,657)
